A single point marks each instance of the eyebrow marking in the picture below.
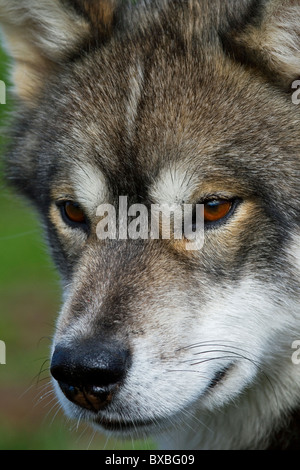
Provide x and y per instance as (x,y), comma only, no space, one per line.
(135,92)
(89,185)
(173,185)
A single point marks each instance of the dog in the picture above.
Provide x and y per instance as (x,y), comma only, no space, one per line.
(186,102)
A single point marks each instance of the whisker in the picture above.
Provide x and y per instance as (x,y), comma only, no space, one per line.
(230,350)
(45,396)
(91,439)
(214,343)
(56,405)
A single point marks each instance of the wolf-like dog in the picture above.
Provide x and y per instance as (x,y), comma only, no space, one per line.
(167,102)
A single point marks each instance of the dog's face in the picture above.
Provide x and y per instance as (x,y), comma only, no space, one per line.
(169,112)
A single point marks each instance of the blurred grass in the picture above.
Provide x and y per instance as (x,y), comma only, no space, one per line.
(29,301)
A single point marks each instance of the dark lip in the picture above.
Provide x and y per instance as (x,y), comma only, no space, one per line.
(123,426)
(219,377)
(127,426)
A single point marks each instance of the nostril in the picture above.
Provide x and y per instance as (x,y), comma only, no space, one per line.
(90,373)
(89,397)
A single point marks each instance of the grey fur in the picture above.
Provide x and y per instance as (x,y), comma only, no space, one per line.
(172,90)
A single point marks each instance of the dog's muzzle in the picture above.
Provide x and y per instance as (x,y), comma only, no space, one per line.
(90,372)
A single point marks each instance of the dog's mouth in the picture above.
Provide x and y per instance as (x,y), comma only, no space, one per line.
(107,411)
(123,426)
(219,376)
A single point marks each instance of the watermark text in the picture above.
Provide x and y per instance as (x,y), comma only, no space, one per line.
(296,354)
(2,352)
(2,92)
(160,221)
(296,93)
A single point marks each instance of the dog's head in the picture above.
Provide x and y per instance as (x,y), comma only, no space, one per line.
(180,102)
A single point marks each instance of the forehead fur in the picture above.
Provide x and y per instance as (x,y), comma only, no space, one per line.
(165,90)
(200,110)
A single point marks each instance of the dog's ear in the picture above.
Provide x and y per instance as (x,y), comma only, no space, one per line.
(42,34)
(99,13)
(272,41)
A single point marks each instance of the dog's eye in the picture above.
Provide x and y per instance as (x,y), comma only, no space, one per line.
(73,214)
(216,210)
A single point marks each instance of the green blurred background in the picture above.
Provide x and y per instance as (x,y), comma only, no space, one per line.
(30,417)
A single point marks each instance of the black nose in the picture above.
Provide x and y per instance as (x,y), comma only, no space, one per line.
(90,373)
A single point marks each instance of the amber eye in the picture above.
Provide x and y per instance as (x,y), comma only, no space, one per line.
(72,213)
(216,210)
